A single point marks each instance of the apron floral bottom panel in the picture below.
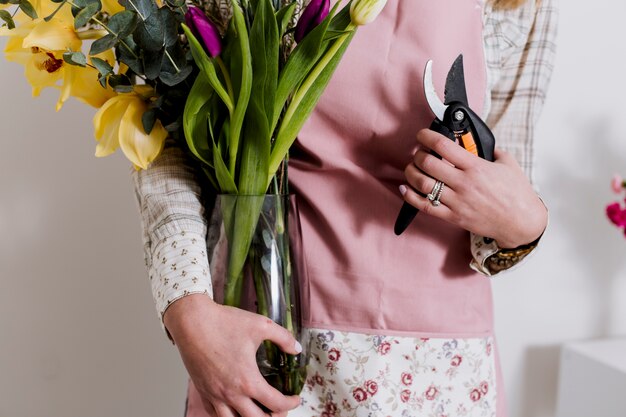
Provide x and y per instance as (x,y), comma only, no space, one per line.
(362,375)
(359,375)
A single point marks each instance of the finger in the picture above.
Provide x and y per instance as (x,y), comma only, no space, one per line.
(423,204)
(280,336)
(424,184)
(208,407)
(447,149)
(274,399)
(224,410)
(435,167)
(247,408)
(502,156)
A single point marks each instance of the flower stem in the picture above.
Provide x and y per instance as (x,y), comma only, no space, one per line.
(229,84)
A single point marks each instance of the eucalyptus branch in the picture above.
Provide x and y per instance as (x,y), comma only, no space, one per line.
(137,10)
(97,21)
(115,34)
(172,61)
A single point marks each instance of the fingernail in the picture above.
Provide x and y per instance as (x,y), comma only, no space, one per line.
(403,189)
(298,347)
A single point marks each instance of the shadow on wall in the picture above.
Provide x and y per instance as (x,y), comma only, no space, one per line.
(541,380)
(575,186)
(577,191)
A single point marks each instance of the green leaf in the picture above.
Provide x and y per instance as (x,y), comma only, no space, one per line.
(289,129)
(255,152)
(207,67)
(103,67)
(123,23)
(148,119)
(79,5)
(83,17)
(195,118)
(264,53)
(175,3)
(170,26)
(334,34)
(175,59)
(8,20)
(224,178)
(255,149)
(341,21)
(122,88)
(283,17)
(75,58)
(145,8)
(244,81)
(149,33)
(128,53)
(103,44)
(28,8)
(152,63)
(300,62)
(119,80)
(172,79)
(172,127)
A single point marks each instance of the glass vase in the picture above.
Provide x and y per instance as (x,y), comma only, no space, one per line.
(254,245)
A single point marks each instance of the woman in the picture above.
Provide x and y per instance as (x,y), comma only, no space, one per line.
(398,325)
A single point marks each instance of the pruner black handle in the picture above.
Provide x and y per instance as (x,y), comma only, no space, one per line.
(408,212)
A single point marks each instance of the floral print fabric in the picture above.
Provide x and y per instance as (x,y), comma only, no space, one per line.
(359,375)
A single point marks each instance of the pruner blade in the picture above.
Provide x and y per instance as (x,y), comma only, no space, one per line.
(434,102)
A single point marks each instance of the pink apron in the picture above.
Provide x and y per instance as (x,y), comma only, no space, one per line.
(346,168)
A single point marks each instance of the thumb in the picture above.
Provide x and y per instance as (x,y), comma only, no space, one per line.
(282,338)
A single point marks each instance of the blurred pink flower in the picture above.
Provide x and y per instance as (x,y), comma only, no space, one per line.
(616,215)
(617,183)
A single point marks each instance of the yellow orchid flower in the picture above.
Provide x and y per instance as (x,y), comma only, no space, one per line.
(111,7)
(39,46)
(118,124)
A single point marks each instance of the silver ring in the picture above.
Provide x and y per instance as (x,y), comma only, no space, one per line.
(435,195)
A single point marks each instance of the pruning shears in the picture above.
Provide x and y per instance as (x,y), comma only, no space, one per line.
(453,119)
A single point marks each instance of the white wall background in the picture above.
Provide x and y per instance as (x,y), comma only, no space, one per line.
(575,287)
(78,333)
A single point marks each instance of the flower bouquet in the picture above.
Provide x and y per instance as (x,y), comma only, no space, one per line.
(256,88)
(233,81)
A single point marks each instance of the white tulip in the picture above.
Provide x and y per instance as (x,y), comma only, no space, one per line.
(363,12)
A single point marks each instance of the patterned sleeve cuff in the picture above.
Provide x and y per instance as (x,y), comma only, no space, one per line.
(489,259)
(482,248)
(180,268)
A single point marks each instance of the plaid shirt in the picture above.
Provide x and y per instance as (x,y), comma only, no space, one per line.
(519,54)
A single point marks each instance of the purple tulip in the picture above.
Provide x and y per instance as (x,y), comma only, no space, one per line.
(313,14)
(205,30)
